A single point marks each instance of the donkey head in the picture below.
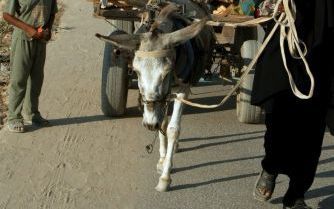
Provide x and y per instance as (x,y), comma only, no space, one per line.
(153,61)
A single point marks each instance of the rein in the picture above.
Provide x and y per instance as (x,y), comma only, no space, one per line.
(288,32)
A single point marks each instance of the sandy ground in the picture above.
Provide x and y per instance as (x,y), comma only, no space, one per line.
(85,160)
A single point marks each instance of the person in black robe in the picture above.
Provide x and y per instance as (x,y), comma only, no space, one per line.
(295,127)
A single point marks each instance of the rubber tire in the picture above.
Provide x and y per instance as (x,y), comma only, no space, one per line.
(247,113)
(122,25)
(115,79)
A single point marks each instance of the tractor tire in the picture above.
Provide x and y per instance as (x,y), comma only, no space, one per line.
(115,78)
(247,113)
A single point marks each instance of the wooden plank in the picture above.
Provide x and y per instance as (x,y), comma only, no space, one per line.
(126,3)
(120,14)
(226,36)
(231,18)
(116,13)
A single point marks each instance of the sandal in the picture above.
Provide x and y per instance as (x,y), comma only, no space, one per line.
(16,126)
(38,120)
(264,186)
(298,204)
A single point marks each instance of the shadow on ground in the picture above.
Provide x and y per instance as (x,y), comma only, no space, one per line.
(176,170)
(78,120)
(328,147)
(327,203)
(201,146)
(214,181)
(220,137)
(324,192)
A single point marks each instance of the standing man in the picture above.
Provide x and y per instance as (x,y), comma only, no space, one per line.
(295,127)
(33,20)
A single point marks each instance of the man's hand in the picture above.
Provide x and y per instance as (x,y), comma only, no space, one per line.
(47,34)
(34,33)
(39,33)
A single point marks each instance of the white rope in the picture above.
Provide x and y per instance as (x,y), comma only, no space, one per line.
(252,22)
(288,33)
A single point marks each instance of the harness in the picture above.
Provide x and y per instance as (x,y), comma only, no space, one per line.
(154,54)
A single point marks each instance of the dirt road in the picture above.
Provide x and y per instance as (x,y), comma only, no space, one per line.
(88,161)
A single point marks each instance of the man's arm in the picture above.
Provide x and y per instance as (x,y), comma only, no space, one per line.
(51,21)
(48,28)
(49,24)
(30,30)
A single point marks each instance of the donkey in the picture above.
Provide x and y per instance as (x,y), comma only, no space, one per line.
(155,61)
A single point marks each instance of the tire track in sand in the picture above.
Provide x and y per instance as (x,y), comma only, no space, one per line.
(4,204)
(55,188)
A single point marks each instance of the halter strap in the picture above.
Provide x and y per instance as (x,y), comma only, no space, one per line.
(155,53)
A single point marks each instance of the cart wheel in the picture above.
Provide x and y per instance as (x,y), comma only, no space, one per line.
(115,79)
(246,112)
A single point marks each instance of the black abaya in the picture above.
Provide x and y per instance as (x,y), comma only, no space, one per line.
(295,127)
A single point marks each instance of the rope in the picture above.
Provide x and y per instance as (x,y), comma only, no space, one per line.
(240,24)
(155,53)
(288,33)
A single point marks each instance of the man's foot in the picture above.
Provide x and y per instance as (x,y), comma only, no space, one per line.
(264,186)
(38,121)
(298,204)
(15,126)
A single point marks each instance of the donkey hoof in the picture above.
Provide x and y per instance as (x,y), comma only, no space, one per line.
(163,185)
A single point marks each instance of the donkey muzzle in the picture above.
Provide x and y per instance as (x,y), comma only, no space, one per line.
(151,126)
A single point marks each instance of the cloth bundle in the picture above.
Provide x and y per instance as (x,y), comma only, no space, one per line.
(266,8)
(247,7)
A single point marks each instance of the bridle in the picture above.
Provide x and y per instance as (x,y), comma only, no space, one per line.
(155,54)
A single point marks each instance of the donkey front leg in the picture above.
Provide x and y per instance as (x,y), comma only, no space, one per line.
(173,132)
(163,144)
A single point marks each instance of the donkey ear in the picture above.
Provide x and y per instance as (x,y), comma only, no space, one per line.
(184,34)
(123,41)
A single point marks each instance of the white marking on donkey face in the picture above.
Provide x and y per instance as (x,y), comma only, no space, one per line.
(153,62)
(153,82)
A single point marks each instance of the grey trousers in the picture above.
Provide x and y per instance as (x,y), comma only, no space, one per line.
(26,79)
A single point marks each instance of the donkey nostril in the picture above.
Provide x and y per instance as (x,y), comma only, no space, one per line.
(156,127)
